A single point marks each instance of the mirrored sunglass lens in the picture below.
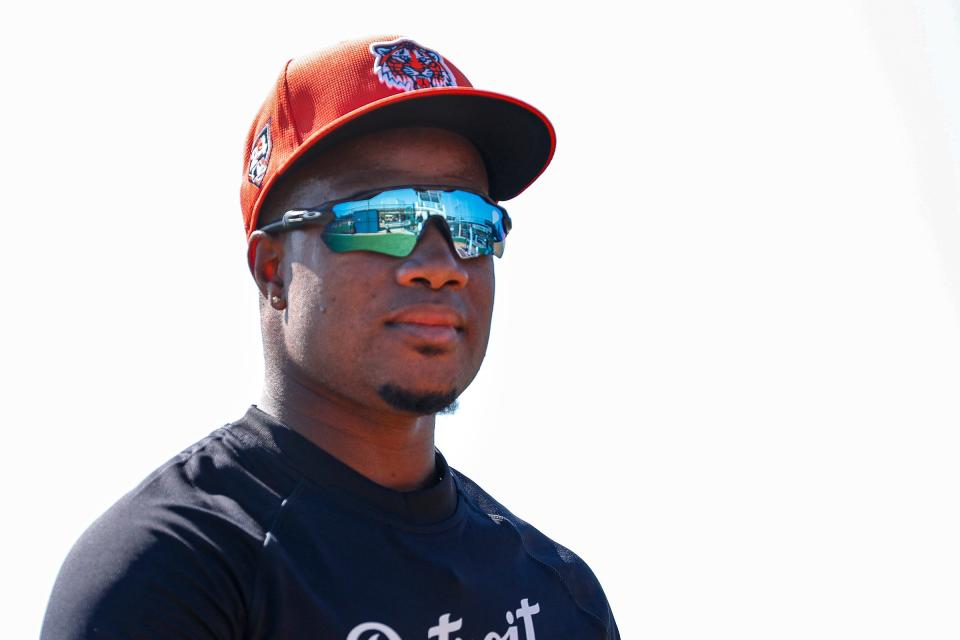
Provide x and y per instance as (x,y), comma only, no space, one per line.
(391,245)
(390,222)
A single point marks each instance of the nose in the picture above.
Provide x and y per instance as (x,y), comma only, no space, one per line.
(432,263)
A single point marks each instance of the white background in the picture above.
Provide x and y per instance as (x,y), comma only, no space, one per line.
(726,349)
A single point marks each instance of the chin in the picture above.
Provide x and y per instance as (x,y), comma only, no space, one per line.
(419,402)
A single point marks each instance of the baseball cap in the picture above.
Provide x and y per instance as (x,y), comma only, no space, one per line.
(367,85)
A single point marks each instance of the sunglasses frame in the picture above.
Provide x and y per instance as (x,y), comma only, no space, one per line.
(323,214)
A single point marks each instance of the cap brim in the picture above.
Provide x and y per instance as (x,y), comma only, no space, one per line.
(515,140)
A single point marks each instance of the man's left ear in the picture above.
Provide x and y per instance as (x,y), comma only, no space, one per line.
(264,255)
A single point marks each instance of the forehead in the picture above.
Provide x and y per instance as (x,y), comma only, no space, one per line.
(395,157)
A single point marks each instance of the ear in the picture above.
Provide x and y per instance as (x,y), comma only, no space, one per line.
(265,256)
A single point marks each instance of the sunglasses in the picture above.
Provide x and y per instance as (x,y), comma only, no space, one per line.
(391,221)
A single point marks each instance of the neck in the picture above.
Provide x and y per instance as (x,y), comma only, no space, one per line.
(392,449)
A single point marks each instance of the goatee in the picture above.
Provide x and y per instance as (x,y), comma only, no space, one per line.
(419,403)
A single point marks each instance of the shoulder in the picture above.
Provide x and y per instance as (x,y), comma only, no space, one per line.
(218,492)
(176,555)
(570,569)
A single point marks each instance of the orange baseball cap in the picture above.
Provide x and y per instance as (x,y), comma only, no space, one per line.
(367,85)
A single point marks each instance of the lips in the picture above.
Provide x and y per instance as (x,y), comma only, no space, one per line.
(436,325)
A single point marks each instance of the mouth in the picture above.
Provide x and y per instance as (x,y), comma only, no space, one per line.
(436,327)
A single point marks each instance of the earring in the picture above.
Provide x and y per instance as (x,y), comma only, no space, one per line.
(275,301)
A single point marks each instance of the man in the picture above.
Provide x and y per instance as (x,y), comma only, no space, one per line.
(369,198)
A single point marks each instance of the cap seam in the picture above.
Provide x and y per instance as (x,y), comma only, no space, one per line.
(289,103)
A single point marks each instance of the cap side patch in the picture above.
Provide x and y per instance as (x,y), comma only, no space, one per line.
(260,156)
(403,64)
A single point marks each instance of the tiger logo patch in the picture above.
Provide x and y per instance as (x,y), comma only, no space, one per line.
(403,64)
(260,156)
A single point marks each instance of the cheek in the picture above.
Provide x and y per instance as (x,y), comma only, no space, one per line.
(308,305)
(486,281)
(482,288)
(308,293)
(332,306)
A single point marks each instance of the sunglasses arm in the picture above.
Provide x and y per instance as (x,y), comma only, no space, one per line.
(295,219)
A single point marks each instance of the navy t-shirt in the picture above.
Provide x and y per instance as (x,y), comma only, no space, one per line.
(255,532)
